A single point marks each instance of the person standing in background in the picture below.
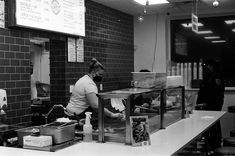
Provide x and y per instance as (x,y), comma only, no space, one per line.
(211,92)
(211,96)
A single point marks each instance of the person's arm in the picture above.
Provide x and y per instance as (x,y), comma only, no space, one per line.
(93,101)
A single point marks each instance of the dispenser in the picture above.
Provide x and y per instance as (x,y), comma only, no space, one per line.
(3,100)
(87,128)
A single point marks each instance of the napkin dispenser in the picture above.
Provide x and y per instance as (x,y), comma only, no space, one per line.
(3,100)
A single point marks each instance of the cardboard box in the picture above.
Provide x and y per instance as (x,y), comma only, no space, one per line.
(24,132)
(37,141)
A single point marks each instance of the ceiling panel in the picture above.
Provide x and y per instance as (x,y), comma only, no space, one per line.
(174,7)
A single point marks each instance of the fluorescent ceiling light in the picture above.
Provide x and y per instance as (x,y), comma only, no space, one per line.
(211,37)
(218,41)
(151,2)
(205,32)
(233,30)
(188,25)
(230,21)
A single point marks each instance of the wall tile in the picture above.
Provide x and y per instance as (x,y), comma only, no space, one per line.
(109,38)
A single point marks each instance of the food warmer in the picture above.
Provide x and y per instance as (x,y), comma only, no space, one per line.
(162,107)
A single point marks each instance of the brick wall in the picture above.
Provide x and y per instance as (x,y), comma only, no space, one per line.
(109,38)
(14,74)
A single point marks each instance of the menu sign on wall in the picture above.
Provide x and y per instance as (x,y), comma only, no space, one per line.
(65,16)
(2,14)
(75,50)
(71,50)
(80,50)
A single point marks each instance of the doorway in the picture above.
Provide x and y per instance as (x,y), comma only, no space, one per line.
(40,60)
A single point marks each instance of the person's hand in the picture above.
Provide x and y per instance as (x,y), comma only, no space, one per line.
(117,115)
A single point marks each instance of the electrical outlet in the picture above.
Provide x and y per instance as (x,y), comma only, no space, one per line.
(71,88)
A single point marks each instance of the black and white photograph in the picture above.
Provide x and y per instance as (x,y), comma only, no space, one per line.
(117,77)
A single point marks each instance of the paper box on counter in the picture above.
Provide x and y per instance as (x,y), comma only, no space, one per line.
(149,79)
(37,141)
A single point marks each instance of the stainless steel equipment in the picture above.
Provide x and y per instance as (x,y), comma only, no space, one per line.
(60,131)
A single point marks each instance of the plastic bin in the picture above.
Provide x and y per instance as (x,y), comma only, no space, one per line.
(149,80)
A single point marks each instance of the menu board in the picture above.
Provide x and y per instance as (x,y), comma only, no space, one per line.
(65,16)
(71,50)
(2,14)
(75,50)
(80,50)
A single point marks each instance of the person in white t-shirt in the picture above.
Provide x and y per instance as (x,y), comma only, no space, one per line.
(84,95)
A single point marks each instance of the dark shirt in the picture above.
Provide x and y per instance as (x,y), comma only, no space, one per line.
(212,92)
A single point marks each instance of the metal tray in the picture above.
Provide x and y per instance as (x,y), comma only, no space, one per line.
(60,132)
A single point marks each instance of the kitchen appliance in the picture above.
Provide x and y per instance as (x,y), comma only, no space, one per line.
(153,103)
(60,131)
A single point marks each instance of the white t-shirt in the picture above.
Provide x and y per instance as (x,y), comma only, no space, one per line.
(78,101)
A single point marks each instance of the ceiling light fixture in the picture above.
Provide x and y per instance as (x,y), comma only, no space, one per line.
(205,32)
(211,37)
(151,2)
(216,3)
(218,41)
(233,30)
(189,25)
(146,6)
(140,18)
(230,21)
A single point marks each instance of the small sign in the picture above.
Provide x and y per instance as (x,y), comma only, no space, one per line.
(140,135)
(194,23)
(80,50)
(71,50)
